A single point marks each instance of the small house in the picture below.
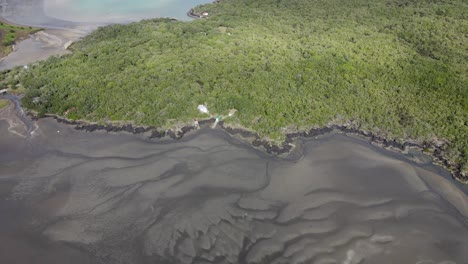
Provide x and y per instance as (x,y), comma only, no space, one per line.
(204,14)
(3,91)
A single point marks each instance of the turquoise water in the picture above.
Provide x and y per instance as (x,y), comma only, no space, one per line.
(118,10)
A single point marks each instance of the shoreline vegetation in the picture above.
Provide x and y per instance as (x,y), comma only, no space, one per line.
(397,68)
(4,103)
(11,33)
(436,150)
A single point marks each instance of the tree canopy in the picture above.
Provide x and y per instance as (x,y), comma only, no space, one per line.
(395,66)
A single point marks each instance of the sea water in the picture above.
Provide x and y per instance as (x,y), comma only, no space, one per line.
(118,11)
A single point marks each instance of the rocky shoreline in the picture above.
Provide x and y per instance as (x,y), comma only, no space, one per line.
(191,13)
(435,150)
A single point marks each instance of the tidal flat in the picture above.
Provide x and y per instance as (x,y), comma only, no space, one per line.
(67,21)
(68,195)
(52,41)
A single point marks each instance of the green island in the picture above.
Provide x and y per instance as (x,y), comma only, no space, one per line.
(394,67)
(10,34)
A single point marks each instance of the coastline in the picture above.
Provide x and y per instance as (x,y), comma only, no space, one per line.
(191,14)
(158,190)
(3,20)
(106,181)
(437,152)
(55,36)
(31,13)
(53,39)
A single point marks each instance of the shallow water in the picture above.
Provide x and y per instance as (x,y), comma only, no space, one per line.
(69,20)
(27,51)
(65,14)
(209,198)
(40,46)
(50,42)
(118,10)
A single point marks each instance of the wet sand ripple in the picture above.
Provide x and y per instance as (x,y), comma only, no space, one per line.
(208,198)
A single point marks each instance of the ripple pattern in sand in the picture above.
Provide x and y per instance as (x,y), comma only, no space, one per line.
(211,200)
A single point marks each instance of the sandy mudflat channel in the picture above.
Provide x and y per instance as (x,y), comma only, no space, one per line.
(68,21)
(209,198)
(51,42)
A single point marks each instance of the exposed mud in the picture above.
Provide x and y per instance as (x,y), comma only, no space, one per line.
(18,123)
(40,46)
(436,150)
(53,41)
(210,198)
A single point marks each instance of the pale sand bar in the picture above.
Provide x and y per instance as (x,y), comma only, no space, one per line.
(50,42)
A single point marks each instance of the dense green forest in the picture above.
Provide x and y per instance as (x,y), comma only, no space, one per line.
(396,67)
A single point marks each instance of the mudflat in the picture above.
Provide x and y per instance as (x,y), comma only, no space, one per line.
(68,21)
(210,198)
(41,46)
(53,41)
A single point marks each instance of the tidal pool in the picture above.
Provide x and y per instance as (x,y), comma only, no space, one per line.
(69,196)
(118,10)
